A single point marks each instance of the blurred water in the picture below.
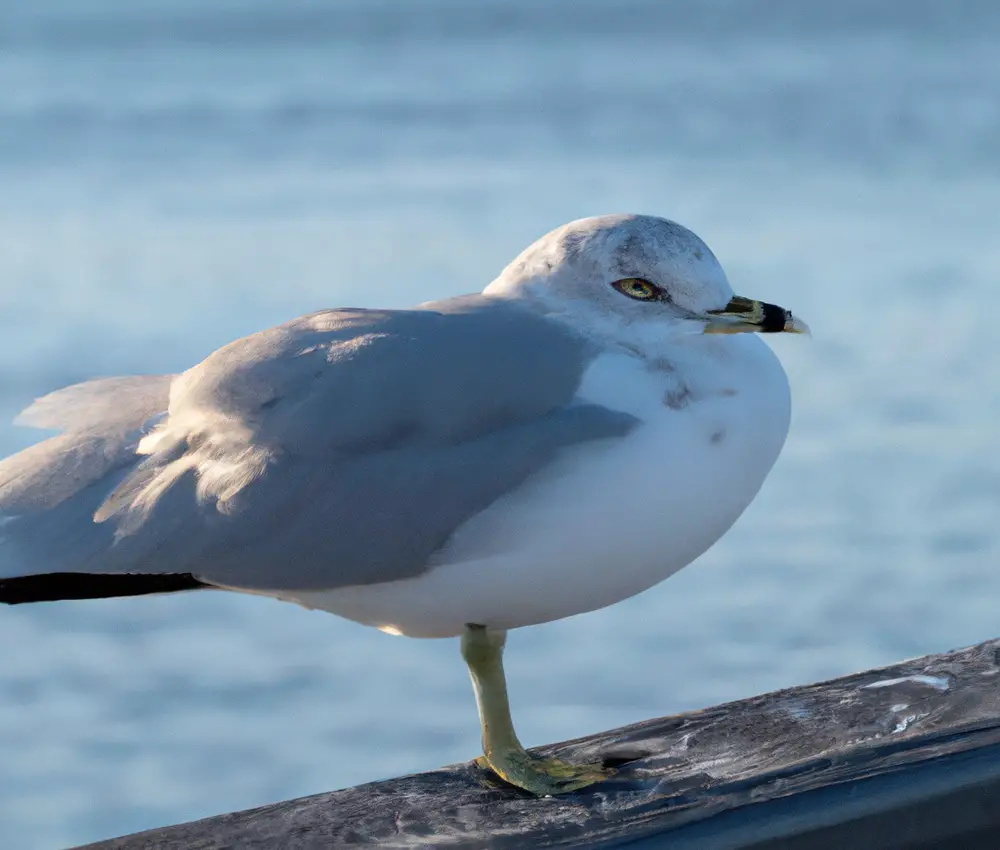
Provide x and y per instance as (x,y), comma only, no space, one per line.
(175,174)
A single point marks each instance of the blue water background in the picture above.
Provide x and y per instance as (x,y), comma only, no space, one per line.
(176,174)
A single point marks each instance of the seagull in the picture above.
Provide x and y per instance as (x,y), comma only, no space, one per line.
(585,427)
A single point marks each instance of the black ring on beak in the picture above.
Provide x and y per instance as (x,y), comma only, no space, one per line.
(773,318)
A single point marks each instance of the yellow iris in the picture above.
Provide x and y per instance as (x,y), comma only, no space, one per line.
(636,287)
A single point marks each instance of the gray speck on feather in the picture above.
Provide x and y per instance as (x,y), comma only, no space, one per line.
(678,398)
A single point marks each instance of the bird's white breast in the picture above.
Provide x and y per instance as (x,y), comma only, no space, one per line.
(608,519)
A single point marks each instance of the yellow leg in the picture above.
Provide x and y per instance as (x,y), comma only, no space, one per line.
(483,653)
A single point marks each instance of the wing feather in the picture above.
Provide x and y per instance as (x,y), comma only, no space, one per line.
(344,447)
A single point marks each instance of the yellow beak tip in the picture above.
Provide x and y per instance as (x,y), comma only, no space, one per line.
(797,326)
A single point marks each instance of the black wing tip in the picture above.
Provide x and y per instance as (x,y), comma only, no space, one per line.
(53,587)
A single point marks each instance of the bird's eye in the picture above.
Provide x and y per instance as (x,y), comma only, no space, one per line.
(639,289)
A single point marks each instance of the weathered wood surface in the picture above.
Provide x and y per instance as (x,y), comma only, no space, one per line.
(903,757)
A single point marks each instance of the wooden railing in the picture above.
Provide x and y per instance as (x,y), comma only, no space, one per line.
(903,757)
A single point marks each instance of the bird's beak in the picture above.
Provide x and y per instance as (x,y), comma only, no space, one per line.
(742,315)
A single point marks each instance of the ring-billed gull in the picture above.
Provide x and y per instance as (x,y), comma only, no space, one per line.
(588,425)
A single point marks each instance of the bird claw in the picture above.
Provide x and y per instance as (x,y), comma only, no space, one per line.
(544,776)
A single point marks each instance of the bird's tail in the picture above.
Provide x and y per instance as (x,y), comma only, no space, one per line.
(52,587)
(50,546)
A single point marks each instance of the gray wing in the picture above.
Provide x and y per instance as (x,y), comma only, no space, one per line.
(99,417)
(49,492)
(344,447)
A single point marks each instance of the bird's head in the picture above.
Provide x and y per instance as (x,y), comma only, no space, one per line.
(635,277)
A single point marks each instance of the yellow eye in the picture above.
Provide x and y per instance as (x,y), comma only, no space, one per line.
(639,289)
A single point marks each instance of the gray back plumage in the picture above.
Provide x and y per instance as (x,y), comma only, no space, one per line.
(343,447)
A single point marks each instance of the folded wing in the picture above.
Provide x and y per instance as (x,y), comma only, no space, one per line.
(344,447)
